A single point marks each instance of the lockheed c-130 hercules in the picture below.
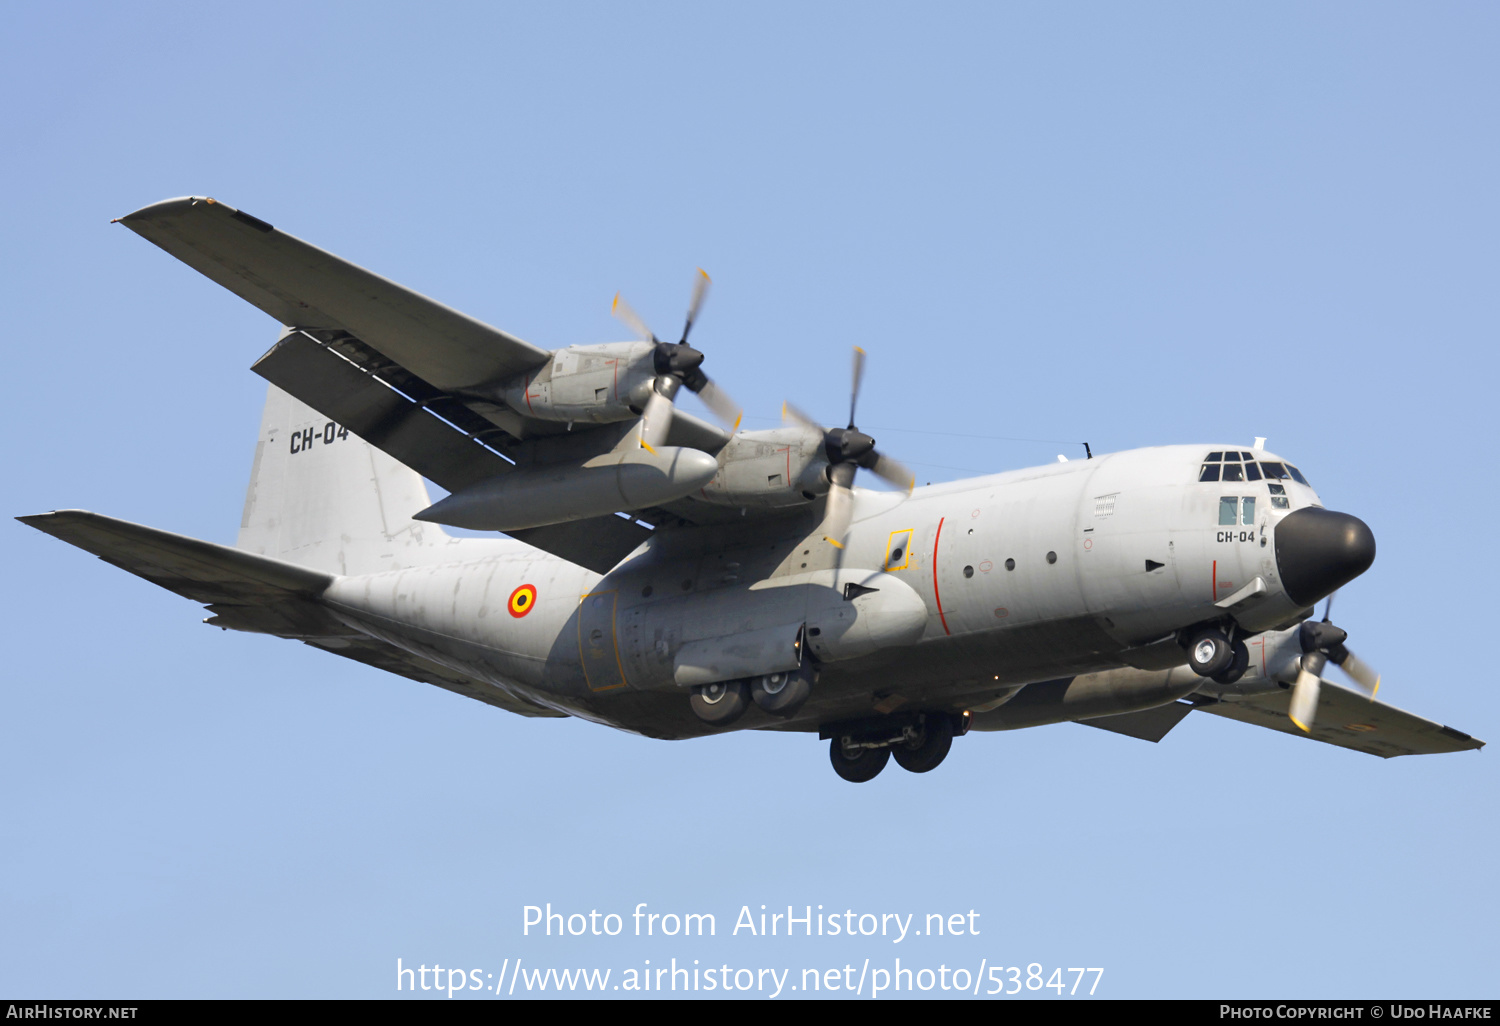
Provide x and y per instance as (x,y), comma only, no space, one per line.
(674,578)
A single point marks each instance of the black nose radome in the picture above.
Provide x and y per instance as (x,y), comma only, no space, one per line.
(1318,551)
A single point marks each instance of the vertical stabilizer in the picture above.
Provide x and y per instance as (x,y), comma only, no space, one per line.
(321,497)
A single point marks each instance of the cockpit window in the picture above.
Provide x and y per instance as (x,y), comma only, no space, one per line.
(1252,472)
(1210,472)
(1278,497)
(1213,457)
(1248,456)
(1229,510)
(1248,518)
(1233,471)
(1274,471)
(1231,457)
(1297,475)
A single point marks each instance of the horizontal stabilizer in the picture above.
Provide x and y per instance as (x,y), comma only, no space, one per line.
(247,592)
(303,286)
(1350,720)
(199,570)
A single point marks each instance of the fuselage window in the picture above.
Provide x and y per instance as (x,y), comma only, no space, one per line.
(1229,510)
(1247,511)
(1278,497)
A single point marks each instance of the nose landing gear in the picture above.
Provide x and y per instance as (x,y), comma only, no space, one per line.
(919,741)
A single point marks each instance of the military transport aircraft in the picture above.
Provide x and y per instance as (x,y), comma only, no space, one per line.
(674,578)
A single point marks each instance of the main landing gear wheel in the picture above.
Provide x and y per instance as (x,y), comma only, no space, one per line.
(857,765)
(930,749)
(1209,652)
(720,704)
(782,694)
(1237,666)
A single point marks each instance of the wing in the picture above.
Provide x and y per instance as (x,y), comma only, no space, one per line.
(434,433)
(247,592)
(303,286)
(1350,720)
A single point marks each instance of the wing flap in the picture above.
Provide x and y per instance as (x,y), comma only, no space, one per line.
(1349,720)
(303,286)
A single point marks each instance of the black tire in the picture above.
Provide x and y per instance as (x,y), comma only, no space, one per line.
(932,749)
(782,694)
(1237,665)
(720,704)
(1209,652)
(866,764)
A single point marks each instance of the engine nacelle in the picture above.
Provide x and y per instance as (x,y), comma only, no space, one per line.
(770,469)
(597,384)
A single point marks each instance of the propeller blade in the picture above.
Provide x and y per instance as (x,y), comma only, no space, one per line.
(1361,673)
(888,469)
(790,412)
(632,320)
(656,421)
(839,514)
(723,407)
(859,373)
(700,289)
(1304,708)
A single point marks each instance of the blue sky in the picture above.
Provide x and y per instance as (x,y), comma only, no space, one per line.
(1134,225)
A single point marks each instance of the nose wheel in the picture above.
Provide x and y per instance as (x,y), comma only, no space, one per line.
(920,742)
(931,747)
(857,765)
(1209,652)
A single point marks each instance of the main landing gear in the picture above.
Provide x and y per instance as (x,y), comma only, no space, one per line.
(919,741)
(780,694)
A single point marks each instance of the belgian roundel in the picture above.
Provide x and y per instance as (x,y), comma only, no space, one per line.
(521,600)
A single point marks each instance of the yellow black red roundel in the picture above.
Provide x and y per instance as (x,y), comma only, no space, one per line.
(521,600)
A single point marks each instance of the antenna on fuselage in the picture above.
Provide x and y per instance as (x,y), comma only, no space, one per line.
(1087,451)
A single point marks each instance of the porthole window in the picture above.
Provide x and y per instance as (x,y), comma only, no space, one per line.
(1052,557)
(1010,564)
(646,591)
(968,571)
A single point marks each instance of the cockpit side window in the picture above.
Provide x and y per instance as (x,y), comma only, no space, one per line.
(1297,475)
(1274,471)
(1278,497)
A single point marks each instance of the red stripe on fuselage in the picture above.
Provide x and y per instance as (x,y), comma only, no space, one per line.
(935,596)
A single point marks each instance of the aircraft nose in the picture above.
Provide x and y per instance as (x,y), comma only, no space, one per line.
(1318,551)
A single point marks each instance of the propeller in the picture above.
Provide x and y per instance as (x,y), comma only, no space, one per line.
(848,449)
(1323,643)
(676,364)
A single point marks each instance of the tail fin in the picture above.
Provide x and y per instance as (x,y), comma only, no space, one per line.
(323,498)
